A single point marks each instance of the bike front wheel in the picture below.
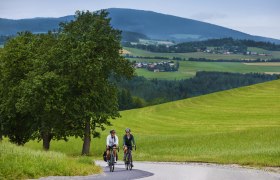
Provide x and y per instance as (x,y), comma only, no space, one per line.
(112,164)
(112,168)
(130,165)
(126,162)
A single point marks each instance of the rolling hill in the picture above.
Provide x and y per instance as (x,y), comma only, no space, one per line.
(236,126)
(152,24)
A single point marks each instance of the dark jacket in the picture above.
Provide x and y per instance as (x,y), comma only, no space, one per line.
(128,142)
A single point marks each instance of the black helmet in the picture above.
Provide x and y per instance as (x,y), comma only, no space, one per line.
(127,130)
(112,131)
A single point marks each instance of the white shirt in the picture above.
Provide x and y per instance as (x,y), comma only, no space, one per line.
(111,141)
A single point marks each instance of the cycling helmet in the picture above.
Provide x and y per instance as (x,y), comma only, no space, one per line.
(112,131)
(127,130)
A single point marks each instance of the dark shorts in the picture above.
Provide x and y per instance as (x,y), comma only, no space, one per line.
(110,147)
(128,147)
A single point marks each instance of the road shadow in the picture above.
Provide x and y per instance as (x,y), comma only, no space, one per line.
(121,174)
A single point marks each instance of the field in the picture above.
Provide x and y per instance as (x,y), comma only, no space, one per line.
(189,68)
(264,64)
(139,52)
(23,163)
(239,126)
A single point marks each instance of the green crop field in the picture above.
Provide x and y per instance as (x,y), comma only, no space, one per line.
(139,52)
(24,163)
(189,68)
(239,126)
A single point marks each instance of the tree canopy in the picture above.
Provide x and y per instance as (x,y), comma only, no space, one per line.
(57,85)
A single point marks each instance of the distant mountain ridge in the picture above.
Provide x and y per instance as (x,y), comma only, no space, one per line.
(151,24)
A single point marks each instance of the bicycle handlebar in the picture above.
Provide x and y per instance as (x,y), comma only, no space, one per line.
(134,146)
(118,148)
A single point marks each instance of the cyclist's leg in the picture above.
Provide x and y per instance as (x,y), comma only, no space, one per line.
(124,152)
(108,153)
(115,154)
(131,156)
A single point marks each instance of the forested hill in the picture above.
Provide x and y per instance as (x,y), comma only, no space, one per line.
(154,25)
(229,44)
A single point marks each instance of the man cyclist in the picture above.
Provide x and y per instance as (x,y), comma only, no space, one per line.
(111,142)
(128,141)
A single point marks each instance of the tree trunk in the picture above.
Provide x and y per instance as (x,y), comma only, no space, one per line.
(46,140)
(86,145)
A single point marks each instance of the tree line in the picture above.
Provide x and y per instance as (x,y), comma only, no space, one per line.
(228,44)
(57,85)
(140,92)
(233,60)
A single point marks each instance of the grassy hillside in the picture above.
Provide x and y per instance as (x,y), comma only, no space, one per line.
(22,163)
(237,126)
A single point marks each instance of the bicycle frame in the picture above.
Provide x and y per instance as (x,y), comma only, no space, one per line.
(111,162)
(128,157)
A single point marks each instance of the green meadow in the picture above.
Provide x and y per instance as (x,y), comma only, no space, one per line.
(240,126)
(23,163)
(139,52)
(189,68)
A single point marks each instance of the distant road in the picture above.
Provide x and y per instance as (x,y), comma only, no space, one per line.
(188,171)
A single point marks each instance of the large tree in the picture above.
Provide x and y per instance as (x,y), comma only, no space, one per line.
(15,63)
(31,91)
(57,85)
(90,55)
(43,90)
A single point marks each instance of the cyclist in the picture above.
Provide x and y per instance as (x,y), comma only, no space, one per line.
(111,142)
(128,141)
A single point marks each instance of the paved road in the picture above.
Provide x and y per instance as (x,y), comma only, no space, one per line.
(188,171)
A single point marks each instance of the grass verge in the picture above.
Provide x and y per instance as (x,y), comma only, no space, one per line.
(22,163)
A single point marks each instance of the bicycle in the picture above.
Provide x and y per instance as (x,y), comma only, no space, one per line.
(128,157)
(111,162)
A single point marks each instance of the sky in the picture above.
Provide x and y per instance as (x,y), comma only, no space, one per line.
(256,17)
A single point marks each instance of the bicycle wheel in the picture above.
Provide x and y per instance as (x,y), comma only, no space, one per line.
(130,164)
(113,168)
(112,163)
(130,161)
(126,162)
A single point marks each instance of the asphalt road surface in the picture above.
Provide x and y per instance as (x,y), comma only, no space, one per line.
(166,171)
